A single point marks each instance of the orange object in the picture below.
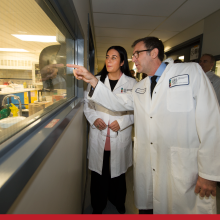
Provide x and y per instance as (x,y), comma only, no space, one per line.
(56,98)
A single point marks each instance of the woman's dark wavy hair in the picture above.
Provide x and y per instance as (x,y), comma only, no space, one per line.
(123,57)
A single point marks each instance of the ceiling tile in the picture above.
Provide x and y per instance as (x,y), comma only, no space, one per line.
(164,35)
(115,40)
(106,45)
(137,7)
(126,21)
(122,32)
(24,17)
(190,13)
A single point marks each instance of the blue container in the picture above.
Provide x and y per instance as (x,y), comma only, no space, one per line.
(15,102)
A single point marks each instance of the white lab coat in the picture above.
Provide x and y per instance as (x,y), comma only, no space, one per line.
(177,139)
(215,80)
(120,142)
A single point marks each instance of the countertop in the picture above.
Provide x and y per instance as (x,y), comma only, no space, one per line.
(19,91)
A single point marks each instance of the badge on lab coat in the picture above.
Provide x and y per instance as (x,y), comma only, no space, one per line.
(140,91)
(179,80)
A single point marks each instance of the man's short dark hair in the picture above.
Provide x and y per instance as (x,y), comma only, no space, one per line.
(151,43)
(210,55)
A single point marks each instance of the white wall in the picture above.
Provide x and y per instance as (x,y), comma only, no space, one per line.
(209,27)
(185,35)
(211,36)
(56,186)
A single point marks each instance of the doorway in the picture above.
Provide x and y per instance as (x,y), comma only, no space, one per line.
(188,51)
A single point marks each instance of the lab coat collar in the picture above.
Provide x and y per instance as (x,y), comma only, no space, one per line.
(170,63)
(107,83)
(147,79)
(160,70)
(120,82)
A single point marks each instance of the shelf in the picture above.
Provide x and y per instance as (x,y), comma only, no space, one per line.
(18,91)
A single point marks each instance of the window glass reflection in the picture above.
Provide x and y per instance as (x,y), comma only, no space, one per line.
(33,75)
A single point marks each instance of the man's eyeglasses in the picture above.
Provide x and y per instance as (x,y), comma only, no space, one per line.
(136,53)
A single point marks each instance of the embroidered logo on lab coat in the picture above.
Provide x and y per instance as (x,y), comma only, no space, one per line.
(179,80)
(121,90)
(127,90)
(140,91)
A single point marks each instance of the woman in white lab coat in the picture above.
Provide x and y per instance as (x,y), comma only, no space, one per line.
(110,143)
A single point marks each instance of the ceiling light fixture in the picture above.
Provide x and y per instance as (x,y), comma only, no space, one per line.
(13,50)
(36,38)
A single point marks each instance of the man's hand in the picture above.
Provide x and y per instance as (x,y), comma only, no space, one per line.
(50,71)
(100,124)
(114,126)
(205,187)
(81,72)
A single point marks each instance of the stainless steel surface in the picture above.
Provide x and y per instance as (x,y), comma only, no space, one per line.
(15,97)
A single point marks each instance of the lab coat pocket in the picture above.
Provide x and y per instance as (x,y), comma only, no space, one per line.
(124,136)
(184,165)
(179,99)
(93,133)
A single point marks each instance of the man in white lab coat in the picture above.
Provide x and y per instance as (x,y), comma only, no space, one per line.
(177,128)
(207,61)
